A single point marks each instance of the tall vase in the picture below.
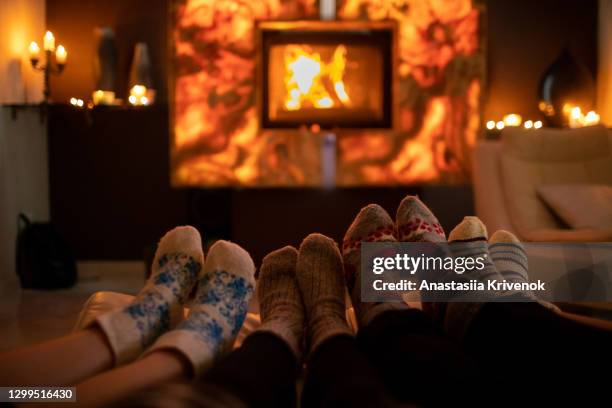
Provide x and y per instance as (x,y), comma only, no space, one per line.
(105,60)
(140,73)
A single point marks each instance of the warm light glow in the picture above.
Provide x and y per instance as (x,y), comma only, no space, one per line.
(77,102)
(61,55)
(577,119)
(591,118)
(546,108)
(49,41)
(306,76)
(34,50)
(537,124)
(500,125)
(138,95)
(512,119)
(528,124)
(101,97)
(491,124)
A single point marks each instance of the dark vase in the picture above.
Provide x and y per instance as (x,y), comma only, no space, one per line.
(105,60)
(566,82)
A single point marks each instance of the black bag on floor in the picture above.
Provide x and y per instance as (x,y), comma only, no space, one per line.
(44,260)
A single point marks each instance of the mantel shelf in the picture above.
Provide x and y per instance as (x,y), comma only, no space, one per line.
(44,108)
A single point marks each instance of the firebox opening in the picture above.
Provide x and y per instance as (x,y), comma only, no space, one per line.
(314,72)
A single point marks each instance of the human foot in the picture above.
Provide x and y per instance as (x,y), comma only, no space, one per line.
(218,309)
(416,223)
(321,283)
(467,239)
(510,259)
(372,224)
(159,305)
(280,301)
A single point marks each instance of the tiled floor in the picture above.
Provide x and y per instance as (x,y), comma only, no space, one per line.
(31,316)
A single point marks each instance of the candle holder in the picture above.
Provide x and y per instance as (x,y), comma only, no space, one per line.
(53,64)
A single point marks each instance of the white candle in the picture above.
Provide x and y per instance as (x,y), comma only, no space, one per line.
(34,50)
(49,41)
(61,55)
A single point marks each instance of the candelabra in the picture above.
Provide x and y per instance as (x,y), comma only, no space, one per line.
(54,63)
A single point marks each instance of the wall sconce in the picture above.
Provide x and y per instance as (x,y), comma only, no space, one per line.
(54,63)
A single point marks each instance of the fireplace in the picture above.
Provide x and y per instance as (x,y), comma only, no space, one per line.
(335,74)
(237,111)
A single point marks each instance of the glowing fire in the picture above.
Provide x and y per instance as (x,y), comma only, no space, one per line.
(306,76)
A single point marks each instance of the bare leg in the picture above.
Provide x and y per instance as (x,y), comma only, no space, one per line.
(156,368)
(64,361)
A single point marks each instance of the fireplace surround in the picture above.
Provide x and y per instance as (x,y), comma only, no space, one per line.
(421,131)
(335,74)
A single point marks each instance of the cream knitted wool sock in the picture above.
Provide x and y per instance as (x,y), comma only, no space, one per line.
(471,233)
(280,301)
(320,279)
(372,224)
(218,310)
(416,223)
(159,305)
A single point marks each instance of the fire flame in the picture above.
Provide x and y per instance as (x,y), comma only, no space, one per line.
(306,76)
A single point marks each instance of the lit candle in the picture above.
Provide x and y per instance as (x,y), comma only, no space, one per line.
(34,50)
(138,95)
(61,55)
(591,118)
(101,97)
(512,119)
(49,41)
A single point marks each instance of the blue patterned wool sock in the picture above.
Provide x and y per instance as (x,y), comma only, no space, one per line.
(159,305)
(218,310)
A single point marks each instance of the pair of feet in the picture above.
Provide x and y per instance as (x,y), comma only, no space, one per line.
(414,222)
(302,293)
(223,284)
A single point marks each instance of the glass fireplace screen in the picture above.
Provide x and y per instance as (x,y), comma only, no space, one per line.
(333,74)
